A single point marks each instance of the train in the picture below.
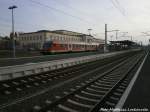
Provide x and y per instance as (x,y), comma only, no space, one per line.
(51,47)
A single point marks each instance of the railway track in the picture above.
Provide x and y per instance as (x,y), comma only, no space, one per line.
(95,93)
(19,85)
(75,92)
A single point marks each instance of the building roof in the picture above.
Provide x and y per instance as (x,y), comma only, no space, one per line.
(62,32)
(36,32)
(68,32)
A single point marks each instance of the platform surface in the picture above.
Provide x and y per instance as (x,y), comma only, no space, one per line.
(36,59)
(139,97)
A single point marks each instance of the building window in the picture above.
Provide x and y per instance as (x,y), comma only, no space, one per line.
(31,38)
(37,37)
(56,38)
(34,38)
(50,38)
(40,37)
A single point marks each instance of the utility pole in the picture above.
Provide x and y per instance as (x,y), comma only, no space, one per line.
(116,34)
(105,46)
(13,38)
(111,37)
(131,38)
(86,40)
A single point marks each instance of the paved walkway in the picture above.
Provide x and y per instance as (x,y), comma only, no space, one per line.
(139,97)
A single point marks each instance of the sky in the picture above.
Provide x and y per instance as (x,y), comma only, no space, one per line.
(132,16)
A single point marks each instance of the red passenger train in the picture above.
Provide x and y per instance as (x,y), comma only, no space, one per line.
(58,47)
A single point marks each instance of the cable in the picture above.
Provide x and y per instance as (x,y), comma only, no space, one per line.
(122,12)
(114,4)
(121,8)
(77,10)
(60,11)
(8,23)
(70,7)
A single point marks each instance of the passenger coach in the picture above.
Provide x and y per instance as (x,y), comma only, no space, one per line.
(57,47)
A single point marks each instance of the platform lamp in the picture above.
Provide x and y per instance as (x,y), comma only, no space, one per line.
(13,38)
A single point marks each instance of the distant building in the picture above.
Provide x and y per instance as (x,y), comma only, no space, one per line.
(36,39)
(5,43)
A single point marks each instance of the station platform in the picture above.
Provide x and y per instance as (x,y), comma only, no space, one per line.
(43,58)
(139,96)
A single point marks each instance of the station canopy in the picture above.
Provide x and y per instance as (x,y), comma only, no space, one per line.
(123,42)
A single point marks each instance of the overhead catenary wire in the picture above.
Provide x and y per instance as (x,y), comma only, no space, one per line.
(68,6)
(122,11)
(7,23)
(77,10)
(116,6)
(83,20)
(121,8)
(60,11)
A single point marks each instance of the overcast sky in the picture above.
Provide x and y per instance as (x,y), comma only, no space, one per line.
(132,16)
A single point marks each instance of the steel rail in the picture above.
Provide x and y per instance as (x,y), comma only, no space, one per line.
(53,104)
(16,102)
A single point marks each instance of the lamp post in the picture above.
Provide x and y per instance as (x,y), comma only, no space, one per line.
(13,38)
(86,38)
